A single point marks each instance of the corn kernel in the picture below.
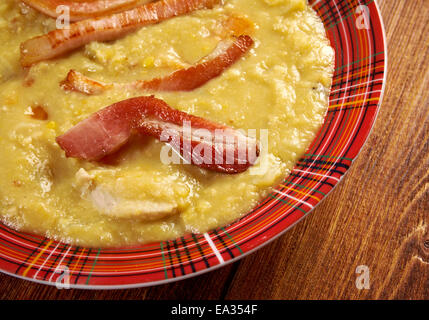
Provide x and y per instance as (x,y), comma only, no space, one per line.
(149,62)
(51,125)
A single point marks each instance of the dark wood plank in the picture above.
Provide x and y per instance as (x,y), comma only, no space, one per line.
(378,216)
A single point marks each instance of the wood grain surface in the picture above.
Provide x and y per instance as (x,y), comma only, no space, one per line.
(378,216)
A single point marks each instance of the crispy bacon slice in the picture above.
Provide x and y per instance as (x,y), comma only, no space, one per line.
(60,41)
(83,10)
(224,56)
(76,81)
(198,141)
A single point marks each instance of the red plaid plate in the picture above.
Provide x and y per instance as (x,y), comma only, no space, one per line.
(356,32)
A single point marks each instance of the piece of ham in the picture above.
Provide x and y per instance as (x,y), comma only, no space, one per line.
(224,56)
(196,140)
(83,9)
(61,41)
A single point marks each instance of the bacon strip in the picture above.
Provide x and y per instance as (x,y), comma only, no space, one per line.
(206,144)
(225,55)
(83,10)
(60,41)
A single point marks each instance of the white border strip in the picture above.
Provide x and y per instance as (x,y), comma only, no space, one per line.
(215,250)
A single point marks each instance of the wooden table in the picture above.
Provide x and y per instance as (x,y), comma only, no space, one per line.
(378,216)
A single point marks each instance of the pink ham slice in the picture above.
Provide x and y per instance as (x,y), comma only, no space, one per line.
(224,56)
(83,9)
(109,129)
(61,41)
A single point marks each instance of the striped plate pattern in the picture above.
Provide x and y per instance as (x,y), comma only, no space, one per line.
(356,33)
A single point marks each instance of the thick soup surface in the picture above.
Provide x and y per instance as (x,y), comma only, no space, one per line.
(281,85)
